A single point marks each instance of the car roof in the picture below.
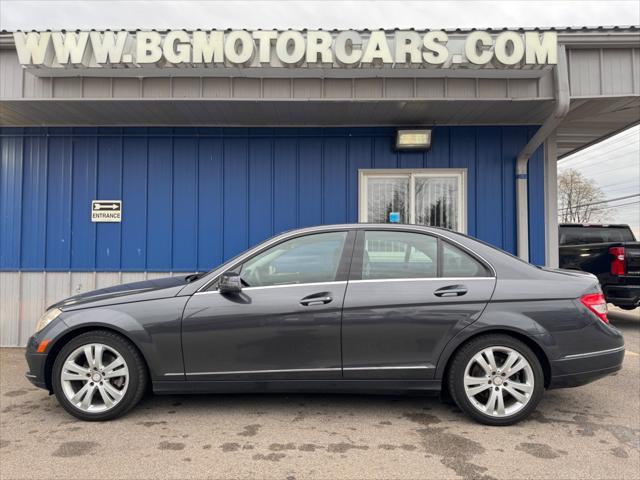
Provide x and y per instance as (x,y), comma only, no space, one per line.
(384,226)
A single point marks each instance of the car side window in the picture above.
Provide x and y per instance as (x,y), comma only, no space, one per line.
(307,259)
(399,255)
(457,263)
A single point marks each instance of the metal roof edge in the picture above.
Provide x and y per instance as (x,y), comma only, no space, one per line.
(559,29)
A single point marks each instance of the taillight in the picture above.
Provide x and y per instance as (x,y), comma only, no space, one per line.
(617,264)
(597,304)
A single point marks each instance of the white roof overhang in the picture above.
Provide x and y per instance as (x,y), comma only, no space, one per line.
(604,71)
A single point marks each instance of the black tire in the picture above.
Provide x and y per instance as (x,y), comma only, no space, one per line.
(457,372)
(135,363)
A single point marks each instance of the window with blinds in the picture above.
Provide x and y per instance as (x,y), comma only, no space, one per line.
(429,197)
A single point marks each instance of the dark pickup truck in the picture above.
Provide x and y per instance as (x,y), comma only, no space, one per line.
(611,253)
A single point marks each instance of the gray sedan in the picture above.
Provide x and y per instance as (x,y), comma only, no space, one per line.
(343,308)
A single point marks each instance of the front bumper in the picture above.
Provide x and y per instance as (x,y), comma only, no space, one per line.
(37,361)
(37,364)
(583,368)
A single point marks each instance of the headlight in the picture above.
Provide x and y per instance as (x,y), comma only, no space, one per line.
(47,318)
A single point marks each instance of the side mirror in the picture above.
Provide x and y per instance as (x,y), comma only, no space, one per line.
(230,282)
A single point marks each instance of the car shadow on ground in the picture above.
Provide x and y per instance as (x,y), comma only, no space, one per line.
(297,403)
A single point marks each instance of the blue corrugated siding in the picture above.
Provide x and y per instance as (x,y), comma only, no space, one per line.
(11,180)
(193,197)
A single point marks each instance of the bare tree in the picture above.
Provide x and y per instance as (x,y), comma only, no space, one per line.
(580,200)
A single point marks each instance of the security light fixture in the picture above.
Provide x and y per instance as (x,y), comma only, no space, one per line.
(413,139)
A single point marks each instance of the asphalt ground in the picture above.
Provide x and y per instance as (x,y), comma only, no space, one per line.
(587,432)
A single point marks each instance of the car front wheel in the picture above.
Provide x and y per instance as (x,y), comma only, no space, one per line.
(496,379)
(98,376)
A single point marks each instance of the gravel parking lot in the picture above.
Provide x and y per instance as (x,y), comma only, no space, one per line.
(590,432)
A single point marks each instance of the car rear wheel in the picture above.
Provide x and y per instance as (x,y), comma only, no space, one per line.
(496,379)
(98,376)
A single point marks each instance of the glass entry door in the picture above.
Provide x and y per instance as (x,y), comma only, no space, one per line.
(434,198)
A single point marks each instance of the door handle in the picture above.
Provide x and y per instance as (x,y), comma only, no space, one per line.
(312,300)
(451,291)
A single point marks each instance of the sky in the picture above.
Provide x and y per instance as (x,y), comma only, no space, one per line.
(613,164)
(33,14)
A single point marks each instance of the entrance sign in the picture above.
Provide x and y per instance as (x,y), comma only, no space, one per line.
(106,211)
(131,51)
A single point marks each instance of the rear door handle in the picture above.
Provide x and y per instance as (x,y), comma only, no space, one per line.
(316,299)
(451,291)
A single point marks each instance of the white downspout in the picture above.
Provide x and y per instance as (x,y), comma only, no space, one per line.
(561,86)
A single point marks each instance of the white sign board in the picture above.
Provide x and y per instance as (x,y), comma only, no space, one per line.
(131,51)
(106,211)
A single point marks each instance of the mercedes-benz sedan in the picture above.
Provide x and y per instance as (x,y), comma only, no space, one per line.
(347,308)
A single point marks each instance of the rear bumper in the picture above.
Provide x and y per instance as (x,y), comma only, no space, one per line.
(583,368)
(623,295)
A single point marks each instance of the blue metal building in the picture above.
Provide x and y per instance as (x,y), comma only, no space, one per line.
(193,197)
(208,160)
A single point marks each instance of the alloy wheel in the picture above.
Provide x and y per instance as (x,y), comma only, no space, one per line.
(499,381)
(94,378)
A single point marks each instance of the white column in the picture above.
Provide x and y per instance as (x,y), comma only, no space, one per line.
(551,201)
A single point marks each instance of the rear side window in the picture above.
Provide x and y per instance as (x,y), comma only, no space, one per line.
(456,263)
(399,255)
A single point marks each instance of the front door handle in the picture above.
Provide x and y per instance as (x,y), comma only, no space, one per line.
(451,291)
(316,299)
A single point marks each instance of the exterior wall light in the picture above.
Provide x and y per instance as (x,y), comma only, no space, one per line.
(413,139)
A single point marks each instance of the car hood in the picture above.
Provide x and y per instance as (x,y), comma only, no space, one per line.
(127,292)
